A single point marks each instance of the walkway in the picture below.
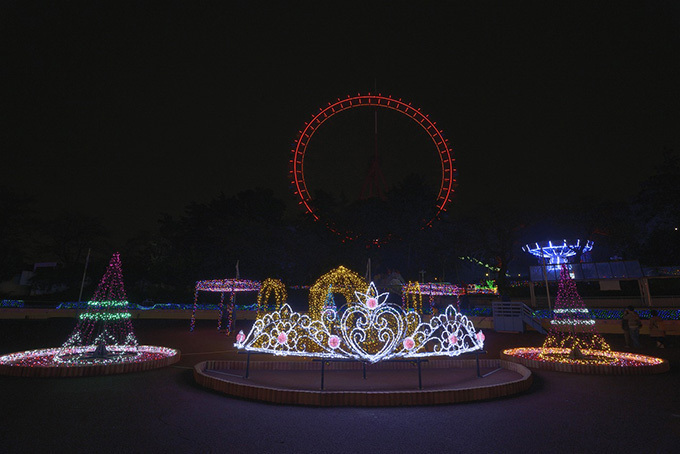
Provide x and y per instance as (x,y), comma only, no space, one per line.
(165,411)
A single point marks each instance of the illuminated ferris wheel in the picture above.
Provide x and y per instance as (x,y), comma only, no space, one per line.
(297,172)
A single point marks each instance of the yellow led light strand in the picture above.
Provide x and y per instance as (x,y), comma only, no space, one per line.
(610,358)
(271,286)
(412,298)
(342,281)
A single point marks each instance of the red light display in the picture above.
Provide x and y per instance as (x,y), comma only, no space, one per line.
(444,152)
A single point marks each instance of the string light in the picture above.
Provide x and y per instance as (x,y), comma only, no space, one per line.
(432,289)
(572,322)
(11,303)
(557,254)
(411,297)
(489,289)
(570,316)
(580,334)
(440,289)
(104,316)
(105,324)
(193,312)
(103,335)
(228,285)
(597,314)
(220,312)
(118,354)
(223,286)
(271,287)
(572,338)
(329,304)
(572,310)
(368,329)
(610,358)
(342,281)
(230,313)
(480,263)
(480,311)
(299,185)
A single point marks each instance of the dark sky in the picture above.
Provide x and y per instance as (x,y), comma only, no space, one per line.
(126,110)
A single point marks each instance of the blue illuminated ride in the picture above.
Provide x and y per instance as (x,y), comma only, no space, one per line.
(557,254)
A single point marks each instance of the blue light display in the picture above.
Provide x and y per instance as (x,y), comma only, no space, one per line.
(558,254)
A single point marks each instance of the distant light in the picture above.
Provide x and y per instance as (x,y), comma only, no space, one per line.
(558,253)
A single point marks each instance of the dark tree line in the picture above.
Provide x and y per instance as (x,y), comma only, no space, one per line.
(255,229)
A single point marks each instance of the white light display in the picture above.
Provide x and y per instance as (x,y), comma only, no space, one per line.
(368,330)
(575,312)
(572,322)
(572,310)
(119,354)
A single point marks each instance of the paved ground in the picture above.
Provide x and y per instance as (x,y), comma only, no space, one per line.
(165,411)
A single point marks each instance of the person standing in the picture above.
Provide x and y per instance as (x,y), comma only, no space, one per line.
(656,329)
(634,325)
(626,331)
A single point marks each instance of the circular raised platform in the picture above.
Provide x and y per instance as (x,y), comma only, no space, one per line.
(606,362)
(41,363)
(386,384)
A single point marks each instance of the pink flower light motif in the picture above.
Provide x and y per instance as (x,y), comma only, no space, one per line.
(282,338)
(481,336)
(240,337)
(334,342)
(371,303)
(409,343)
(453,339)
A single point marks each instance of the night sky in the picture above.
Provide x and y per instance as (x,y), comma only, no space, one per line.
(126,110)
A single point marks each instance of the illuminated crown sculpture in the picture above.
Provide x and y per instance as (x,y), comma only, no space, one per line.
(369,330)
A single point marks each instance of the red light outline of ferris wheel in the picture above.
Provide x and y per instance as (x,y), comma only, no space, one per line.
(305,135)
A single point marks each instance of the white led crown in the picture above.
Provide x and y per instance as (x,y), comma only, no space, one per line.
(368,330)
